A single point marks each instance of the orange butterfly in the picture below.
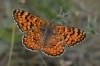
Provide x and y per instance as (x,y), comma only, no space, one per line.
(50,38)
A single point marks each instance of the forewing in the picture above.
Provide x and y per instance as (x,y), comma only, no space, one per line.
(26,21)
(70,35)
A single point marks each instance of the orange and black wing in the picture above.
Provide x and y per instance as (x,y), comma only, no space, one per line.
(26,21)
(54,46)
(70,35)
(32,40)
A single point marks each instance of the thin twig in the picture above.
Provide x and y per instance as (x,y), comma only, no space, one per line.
(12,43)
(42,59)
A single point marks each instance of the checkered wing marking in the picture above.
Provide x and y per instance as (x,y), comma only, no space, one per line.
(31,40)
(70,35)
(54,46)
(26,21)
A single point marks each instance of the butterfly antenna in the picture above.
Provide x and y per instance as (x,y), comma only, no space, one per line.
(51,21)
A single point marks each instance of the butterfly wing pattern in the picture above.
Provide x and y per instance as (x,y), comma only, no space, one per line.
(70,35)
(54,46)
(55,39)
(31,40)
(29,22)
(26,21)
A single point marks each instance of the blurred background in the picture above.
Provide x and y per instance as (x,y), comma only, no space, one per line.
(84,14)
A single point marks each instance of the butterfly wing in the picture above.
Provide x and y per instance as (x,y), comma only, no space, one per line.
(31,40)
(26,21)
(70,35)
(54,46)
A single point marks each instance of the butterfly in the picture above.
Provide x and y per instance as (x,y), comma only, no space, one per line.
(47,37)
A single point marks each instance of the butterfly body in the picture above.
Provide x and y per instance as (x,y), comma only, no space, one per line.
(47,32)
